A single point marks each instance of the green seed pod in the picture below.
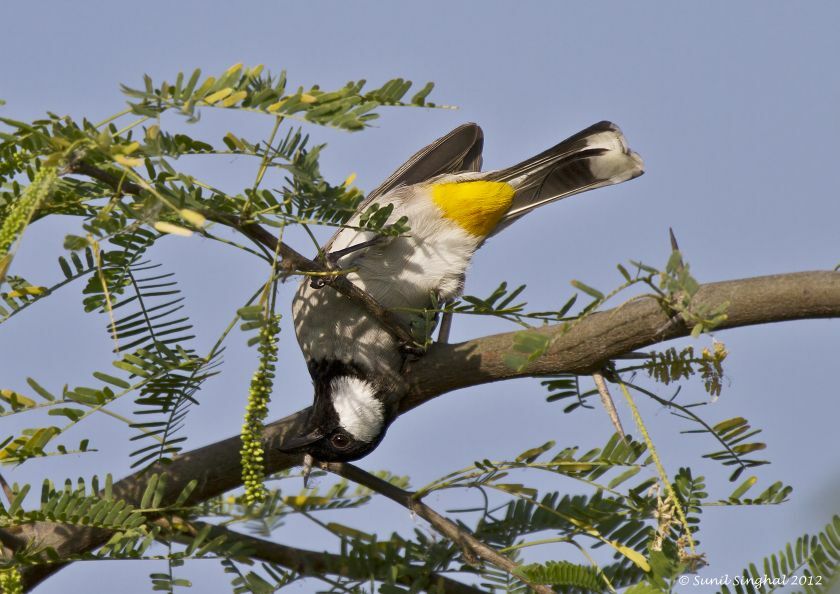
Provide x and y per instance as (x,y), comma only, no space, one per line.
(10,580)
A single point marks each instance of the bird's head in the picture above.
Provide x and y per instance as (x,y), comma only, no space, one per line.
(347,421)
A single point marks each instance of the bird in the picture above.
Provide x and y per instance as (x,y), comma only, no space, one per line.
(452,208)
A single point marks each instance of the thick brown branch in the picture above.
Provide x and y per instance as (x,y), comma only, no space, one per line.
(634,325)
(302,561)
(292,261)
(470,544)
(447,367)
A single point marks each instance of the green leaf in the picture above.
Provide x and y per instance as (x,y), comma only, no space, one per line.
(84,395)
(41,437)
(17,502)
(17,401)
(120,383)
(516,489)
(74,414)
(42,392)
(624,476)
(257,584)
(529,456)
(419,97)
(149,494)
(562,573)
(65,267)
(588,290)
(74,242)
(185,493)
(251,312)
(350,532)
(624,273)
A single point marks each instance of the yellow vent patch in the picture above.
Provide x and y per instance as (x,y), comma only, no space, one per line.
(476,206)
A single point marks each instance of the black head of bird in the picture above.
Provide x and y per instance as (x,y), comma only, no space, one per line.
(347,421)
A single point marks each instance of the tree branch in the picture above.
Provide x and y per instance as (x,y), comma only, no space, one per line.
(460,536)
(446,367)
(605,335)
(302,561)
(292,261)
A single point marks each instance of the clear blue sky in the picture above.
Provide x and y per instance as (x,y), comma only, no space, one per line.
(734,107)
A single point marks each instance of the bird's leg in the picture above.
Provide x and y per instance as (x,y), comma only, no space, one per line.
(413,351)
(446,318)
(445,326)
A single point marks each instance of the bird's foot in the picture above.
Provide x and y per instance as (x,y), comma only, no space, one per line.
(412,351)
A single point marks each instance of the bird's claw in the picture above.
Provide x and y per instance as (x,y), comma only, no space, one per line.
(412,350)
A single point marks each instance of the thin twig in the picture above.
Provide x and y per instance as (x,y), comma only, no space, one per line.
(469,543)
(690,416)
(607,401)
(292,260)
(302,561)
(295,262)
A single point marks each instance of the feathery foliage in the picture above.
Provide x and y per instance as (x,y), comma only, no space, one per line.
(611,517)
(811,563)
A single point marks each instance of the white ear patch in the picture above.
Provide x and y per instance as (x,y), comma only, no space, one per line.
(359,412)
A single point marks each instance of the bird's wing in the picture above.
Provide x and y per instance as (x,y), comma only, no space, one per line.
(459,151)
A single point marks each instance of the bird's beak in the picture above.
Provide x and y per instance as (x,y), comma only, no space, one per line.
(308,461)
(299,441)
(294,444)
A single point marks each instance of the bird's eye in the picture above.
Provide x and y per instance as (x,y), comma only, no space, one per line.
(340,441)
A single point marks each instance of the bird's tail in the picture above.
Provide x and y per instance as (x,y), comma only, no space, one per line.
(592,158)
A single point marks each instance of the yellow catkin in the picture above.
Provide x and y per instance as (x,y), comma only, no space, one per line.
(251,452)
(663,476)
(476,206)
(20,213)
